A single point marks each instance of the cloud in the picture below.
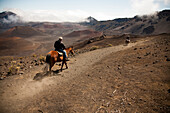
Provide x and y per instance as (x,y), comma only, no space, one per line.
(51,15)
(141,7)
(166,2)
(12,19)
(58,16)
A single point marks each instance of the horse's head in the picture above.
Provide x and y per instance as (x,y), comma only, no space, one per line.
(70,50)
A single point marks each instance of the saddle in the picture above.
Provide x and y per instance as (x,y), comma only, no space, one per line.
(58,59)
(60,53)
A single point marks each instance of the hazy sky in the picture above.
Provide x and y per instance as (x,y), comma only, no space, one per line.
(77,10)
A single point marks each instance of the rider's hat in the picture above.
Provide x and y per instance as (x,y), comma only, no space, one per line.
(61,38)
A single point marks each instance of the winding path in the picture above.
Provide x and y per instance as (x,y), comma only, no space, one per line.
(21,93)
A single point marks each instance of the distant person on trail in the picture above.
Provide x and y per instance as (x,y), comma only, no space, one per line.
(127,40)
(59,46)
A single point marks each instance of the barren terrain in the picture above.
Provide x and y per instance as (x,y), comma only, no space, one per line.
(25,41)
(120,78)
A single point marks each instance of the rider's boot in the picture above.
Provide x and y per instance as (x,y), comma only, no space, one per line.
(67,59)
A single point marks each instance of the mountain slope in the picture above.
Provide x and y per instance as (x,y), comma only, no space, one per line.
(115,79)
(20,31)
(141,25)
(6,15)
(82,33)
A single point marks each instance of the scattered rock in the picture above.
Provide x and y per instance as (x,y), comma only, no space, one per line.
(139,57)
(5,64)
(157,46)
(166,50)
(36,64)
(22,67)
(135,48)
(168,59)
(90,41)
(42,63)
(21,72)
(147,53)
(1,78)
(40,111)
(147,46)
(108,104)
(155,62)
(21,61)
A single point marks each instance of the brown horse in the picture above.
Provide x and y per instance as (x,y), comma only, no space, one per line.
(53,57)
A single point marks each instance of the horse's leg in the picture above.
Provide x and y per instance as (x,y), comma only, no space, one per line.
(62,65)
(50,67)
(66,64)
(51,64)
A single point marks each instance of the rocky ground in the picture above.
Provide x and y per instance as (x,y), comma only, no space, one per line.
(19,65)
(131,78)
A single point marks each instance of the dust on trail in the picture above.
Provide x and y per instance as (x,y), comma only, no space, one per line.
(20,92)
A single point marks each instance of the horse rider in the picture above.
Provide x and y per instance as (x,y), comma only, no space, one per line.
(127,39)
(59,46)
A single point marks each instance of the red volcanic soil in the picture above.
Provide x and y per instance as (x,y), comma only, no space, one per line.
(84,33)
(24,40)
(13,42)
(20,31)
(15,46)
(21,41)
(80,36)
(11,38)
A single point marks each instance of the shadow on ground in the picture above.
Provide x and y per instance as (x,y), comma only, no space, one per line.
(40,76)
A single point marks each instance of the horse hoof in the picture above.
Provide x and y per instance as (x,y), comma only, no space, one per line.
(66,67)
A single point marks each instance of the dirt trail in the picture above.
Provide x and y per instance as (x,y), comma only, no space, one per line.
(23,94)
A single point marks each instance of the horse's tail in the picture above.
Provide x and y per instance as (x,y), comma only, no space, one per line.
(48,58)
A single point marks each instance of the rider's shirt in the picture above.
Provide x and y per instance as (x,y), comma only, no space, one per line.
(59,45)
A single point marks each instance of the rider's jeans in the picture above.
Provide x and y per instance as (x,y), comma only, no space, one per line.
(64,53)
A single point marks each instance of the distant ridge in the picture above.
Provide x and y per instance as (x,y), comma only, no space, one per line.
(82,33)
(140,25)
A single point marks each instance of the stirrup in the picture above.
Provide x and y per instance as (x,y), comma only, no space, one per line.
(67,59)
